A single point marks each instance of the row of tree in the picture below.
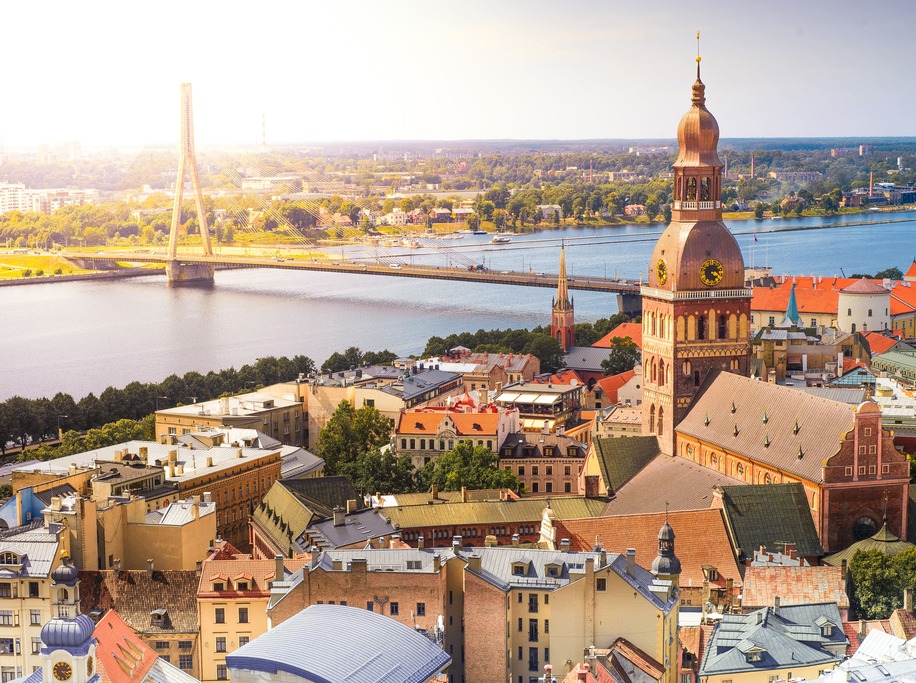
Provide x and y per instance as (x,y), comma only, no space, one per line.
(353,443)
(25,421)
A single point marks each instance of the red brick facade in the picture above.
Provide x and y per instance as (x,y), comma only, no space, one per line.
(856,480)
(484,630)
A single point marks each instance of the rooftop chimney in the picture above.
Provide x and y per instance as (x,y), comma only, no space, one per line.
(116,565)
(394,542)
(515,540)
(582,674)
(631,561)
(775,604)
(464,494)
(149,567)
(908,599)
(224,405)
(173,457)
(456,541)
(144,453)
(435,492)
(489,541)
(437,562)
(351,506)
(564,545)
(209,461)
(421,542)
(339,515)
(474,563)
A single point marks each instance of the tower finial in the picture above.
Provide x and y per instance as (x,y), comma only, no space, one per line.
(699,59)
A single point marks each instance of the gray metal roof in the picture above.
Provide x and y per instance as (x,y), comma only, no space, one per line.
(790,637)
(380,559)
(36,547)
(359,526)
(416,385)
(298,462)
(179,513)
(386,650)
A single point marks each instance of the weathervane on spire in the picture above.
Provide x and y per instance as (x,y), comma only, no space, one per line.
(699,59)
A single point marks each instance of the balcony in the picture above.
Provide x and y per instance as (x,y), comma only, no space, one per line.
(696,206)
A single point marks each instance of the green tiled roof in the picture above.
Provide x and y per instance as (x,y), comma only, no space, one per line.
(767,514)
(884,541)
(622,458)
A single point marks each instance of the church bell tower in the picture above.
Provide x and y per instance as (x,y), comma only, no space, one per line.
(562,318)
(696,309)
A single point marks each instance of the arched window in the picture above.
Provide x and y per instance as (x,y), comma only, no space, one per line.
(848,311)
(853,328)
(654,371)
(661,373)
(734,364)
(767,479)
(704,190)
(701,327)
(723,329)
(652,419)
(661,423)
(687,368)
(739,469)
(692,190)
(653,325)
(869,312)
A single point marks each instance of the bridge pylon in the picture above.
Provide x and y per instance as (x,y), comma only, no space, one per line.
(177,272)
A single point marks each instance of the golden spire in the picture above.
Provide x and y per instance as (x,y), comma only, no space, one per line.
(699,90)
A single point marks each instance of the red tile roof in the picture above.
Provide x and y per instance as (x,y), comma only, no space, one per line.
(878,343)
(631,330)
(611,384)
(911,271)
(121,656)
(823,297)
(851,629)
(794,586)
(428,423)
(903,298)
(864,286)
(561,377)
(701,539)
(259,572)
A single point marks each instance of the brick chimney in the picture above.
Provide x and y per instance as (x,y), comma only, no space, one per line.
(582,674)
(279,571)
(149,567)
(351,506)
(339,516)
(591,486)
(435,492)
(631,561)
(908,599)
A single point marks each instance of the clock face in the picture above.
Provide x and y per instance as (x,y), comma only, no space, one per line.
(62,671)
(661,271)
(711,272)
(90,666)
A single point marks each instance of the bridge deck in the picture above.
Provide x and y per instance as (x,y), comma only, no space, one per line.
(521,279)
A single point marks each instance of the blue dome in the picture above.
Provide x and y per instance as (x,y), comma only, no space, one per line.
(64,633)
(66,574)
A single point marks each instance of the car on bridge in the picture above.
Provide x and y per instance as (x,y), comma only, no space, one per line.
(395,266)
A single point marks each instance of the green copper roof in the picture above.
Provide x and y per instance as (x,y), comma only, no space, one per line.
(884,541)
(791,317)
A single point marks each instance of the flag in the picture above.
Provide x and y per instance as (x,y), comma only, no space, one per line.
(755,238)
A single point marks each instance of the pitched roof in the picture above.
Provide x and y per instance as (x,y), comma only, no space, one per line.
(387,650)
(260,573)
(631,330)
(652,488)
(903,298)
(852,628)
(794,586)
(911,271)
(790,637)
(466,424)
(493,512)
(764,416)
(611,384)
(585,358)
(766,515)
(619,459)
(700,539)
(878,343)
(864,286)
(135,594)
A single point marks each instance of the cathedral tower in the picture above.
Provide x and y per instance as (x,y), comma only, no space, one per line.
(696,309)
(562,322)
(67,644)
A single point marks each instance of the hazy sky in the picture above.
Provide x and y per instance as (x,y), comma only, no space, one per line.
(107,73)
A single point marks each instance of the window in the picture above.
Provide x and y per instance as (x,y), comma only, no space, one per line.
(772,320)
(546,625)
(36,646)
(532,602)
(369,402)
(242,585)
(534,470)
(861,469)
(519,624)
(394,609)
(220,615)
(162,645)
(6,646)
(5,591)
(221,672)
(33,589)
(549,487)
(6,617)
(848,471)
(35,617)
(221,643)
(885,469)
(521,470)
(421,609)
(813,322)
(218,586)
(186,662)
(869,312)
(549,471)
(601,585)
(533,659)
(532,630)
(567,488)
(534,487)
(243,615)
(185,644)
(566,470)
(244,640)
(370,606)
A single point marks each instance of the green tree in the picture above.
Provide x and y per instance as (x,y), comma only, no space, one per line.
(350,433)
(623,356)
(381,471)
(758,210)
(877,589)
(475,467)
(339,362)
(548,351)
(892,273)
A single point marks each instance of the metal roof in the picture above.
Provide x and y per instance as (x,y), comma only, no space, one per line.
(37,550)
(387,650)
(179,513)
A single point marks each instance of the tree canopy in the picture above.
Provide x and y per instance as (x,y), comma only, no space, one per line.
(623,356)
(349,435)
(474,467)
(878,581)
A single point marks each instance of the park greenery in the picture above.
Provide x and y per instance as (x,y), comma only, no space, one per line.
(623,356)
(878,581)
(355,443)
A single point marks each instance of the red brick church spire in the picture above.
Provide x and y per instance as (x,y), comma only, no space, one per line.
(562,318)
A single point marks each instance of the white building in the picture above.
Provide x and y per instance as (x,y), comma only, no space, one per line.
(864,306)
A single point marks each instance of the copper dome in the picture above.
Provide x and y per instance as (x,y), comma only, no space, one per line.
(698,132)
(686,246)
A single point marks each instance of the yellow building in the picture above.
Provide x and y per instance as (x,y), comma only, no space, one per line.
(27,558)
(232,599)
(558,604)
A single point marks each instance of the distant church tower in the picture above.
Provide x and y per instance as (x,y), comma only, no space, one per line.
(666,565)
(67,644)
(562,323)
(696,309)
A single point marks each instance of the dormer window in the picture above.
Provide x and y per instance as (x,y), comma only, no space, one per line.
(519,569)
(711,573)
(219,586)
(826,626)
(553,570)
(827,630)
(242,586)
(9,558)
(754,656)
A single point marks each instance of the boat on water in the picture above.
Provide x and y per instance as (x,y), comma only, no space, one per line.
(479,232)
(500,239)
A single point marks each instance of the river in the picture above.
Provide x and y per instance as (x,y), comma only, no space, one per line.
(82,337)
